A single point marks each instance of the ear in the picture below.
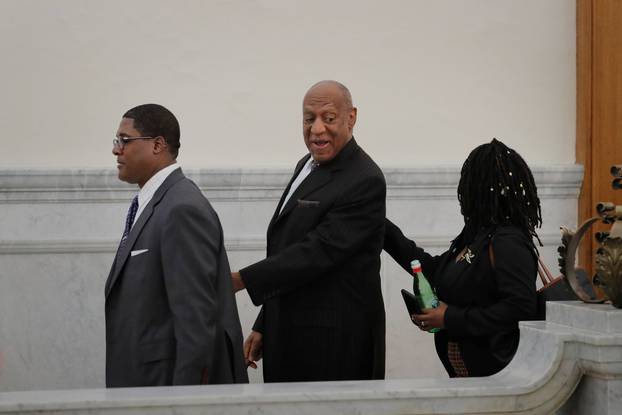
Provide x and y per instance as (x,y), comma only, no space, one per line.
(159,145)
(352,118)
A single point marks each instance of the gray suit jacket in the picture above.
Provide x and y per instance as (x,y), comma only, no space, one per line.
(171,315)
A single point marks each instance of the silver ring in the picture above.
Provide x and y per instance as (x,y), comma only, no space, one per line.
(423,324)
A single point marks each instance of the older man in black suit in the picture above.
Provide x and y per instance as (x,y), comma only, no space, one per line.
(322,315)
(171,317)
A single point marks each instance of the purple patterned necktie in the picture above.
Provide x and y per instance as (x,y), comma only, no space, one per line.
(131,214)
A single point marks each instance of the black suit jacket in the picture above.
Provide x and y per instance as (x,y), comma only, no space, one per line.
(171,317)
(323,314)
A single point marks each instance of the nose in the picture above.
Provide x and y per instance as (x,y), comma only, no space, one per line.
(317,127)
(116,150)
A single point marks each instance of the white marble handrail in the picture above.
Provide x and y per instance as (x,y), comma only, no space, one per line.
(577,340)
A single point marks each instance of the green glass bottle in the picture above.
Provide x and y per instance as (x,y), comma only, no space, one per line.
(423,290)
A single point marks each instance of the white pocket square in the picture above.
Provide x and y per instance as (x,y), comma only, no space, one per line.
(138,252)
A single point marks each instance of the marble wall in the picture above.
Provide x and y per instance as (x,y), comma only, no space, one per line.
(570,364)
(59,230)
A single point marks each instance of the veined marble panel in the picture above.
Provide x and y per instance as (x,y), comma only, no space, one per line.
(552,359)
(255,184)
(59,230)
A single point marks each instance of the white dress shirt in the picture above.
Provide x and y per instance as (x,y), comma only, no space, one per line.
(304,172)
(152,185)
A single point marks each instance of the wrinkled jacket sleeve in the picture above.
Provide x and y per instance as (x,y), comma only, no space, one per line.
(191,244)
(404,250)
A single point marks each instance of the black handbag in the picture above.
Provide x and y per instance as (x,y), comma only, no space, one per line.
(553,289)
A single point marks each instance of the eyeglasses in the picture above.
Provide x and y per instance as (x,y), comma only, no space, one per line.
(120,142)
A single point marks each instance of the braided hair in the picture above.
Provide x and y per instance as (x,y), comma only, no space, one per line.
(497,188)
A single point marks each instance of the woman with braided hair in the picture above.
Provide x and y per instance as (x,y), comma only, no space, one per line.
(485,281)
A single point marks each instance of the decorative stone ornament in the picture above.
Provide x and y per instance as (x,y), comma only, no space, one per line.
(609,270)
(608,256)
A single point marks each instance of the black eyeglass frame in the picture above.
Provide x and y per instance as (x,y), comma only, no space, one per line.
(120,142)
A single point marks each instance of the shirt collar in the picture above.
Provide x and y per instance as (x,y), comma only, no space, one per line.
(149,189)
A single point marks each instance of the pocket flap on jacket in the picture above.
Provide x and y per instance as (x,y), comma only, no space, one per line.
(157,350)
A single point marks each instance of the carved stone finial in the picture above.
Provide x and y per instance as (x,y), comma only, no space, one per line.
(577,278)
(609,269)
(608,256)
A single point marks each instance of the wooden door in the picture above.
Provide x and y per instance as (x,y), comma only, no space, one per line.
(599,109)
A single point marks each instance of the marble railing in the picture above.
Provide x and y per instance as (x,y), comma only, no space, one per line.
(59,230)
(570,364)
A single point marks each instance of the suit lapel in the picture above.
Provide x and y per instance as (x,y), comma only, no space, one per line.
(319,177)
(124,252)
(315,180)
(297,170)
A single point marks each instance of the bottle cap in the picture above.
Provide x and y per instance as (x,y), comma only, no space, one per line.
(415,265)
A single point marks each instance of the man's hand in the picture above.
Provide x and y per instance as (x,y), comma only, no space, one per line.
(238,283)
(253,348)
(431,318)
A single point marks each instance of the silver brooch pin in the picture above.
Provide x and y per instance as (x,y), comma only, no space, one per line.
(468,255)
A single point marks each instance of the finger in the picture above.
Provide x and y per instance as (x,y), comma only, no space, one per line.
(247,348)
(250,363)
(417,322)
(255,352)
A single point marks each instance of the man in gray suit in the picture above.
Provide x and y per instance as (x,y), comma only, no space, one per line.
(171,316)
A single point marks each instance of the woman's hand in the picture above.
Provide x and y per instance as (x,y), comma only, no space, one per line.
(431,318)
